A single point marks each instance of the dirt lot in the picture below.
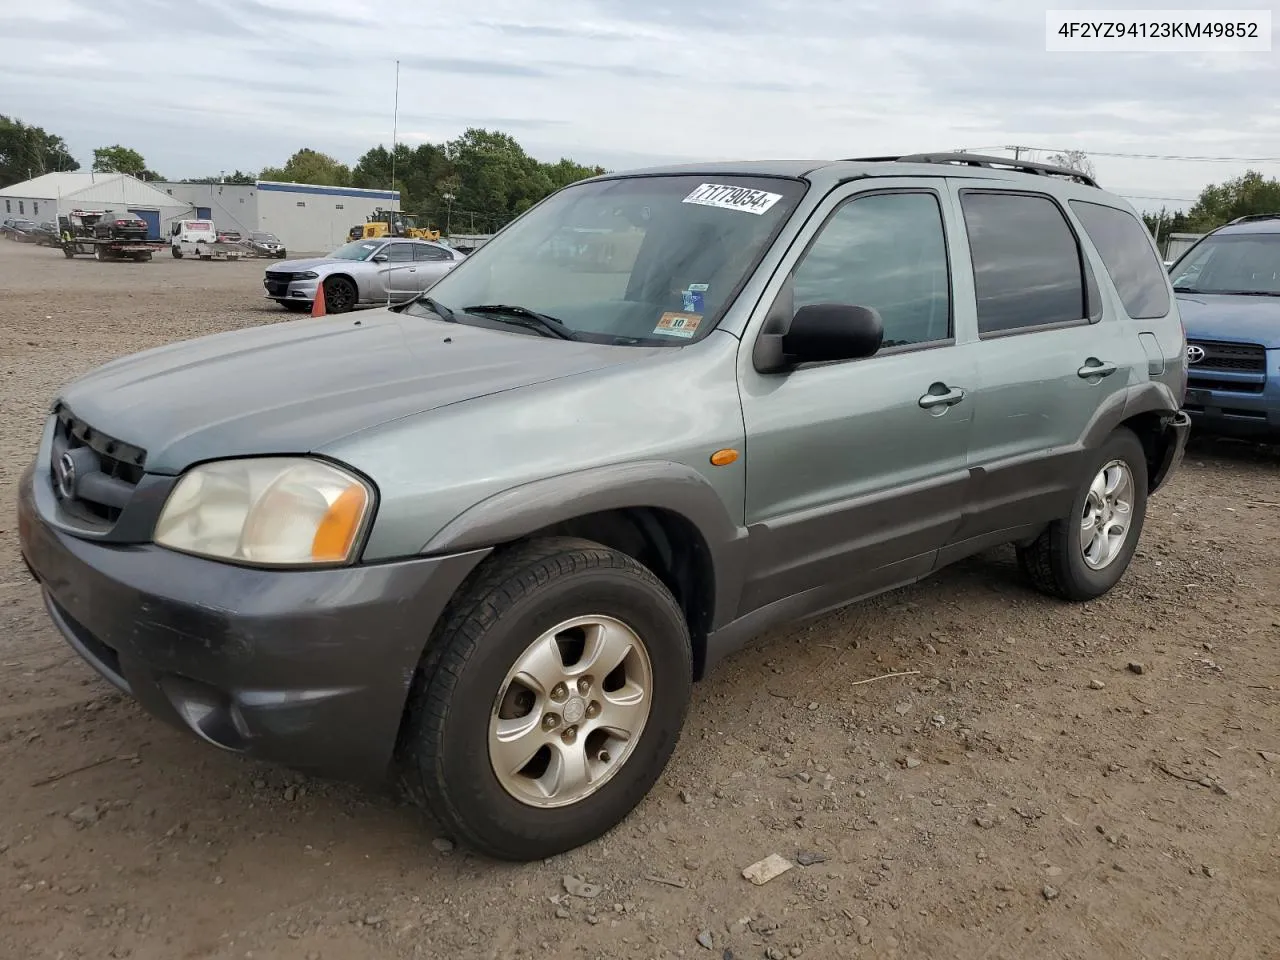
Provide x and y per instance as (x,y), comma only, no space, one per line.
(1025,794)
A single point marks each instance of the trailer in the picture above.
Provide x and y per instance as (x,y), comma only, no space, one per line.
(82,232)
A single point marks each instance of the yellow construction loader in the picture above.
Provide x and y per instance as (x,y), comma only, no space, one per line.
(392,223)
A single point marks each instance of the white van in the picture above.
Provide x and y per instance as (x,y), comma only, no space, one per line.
(187,236)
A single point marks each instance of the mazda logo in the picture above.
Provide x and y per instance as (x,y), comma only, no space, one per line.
(64,475)
(1194,354)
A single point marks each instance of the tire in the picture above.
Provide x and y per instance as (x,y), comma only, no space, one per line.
(339,295)
(99,253)
(69,251)
(177,254)
(1056,563)
(509,605)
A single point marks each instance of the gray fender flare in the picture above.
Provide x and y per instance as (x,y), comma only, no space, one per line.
(661,484)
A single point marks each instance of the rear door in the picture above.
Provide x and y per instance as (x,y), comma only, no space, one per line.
(1050,359)
(432,263)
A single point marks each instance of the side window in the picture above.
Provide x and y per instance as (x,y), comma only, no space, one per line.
(21,209)
(399,252)
(887,251)
(8,206)
(1125,248)
(35,208)
(424,252)
(1026,262)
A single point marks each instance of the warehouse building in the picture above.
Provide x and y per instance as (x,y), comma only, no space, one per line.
(306,218)
(45,197)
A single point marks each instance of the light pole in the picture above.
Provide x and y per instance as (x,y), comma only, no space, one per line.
(448,209)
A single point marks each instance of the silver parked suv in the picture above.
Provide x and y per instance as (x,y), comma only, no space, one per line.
(488,538)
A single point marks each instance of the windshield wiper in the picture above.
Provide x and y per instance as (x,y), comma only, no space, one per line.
(1185,290)
(446,314)
(524,317)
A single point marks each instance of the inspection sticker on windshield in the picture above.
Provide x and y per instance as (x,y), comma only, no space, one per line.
(678,324)
(730,197)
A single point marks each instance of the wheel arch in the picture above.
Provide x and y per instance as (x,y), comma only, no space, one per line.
(664,515)
(1145,409)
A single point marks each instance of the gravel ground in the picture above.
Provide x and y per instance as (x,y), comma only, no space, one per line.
(1095,781)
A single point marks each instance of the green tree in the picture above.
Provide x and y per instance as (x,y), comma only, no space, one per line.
(27,152)
(118,159)
(235,177)
(311,166)
(1221,203)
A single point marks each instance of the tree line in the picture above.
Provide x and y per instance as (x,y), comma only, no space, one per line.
(482,179)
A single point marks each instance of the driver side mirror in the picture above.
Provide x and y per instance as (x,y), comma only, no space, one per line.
(380,258)
(822,333)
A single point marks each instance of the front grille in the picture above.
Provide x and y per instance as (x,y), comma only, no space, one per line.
(1244,357)
(278,281)
(93,474)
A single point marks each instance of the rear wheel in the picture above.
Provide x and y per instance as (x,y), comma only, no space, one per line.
(550,700)
(1084,555)
(99,252)
(68,250)
(339,295)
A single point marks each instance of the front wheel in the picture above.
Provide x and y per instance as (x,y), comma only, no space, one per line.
(339,295)
(177,253)
(1084,555)
(550,700)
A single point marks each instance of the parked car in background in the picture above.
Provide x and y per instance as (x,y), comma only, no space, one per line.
(264,244)
(22,231)
(486,540)
(114,226)
(1228,290)
(229,236)
(47,234)
(361,273)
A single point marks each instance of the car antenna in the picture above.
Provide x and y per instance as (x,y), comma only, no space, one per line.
(395,130)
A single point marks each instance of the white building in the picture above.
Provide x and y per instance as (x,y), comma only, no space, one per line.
(306,218)
(45,197)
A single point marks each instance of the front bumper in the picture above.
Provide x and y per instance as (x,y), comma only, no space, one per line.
(301,290)
(310,669)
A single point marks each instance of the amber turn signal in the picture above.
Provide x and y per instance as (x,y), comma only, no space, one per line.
(722,458)
(337,531)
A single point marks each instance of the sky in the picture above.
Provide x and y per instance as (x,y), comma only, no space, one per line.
(199,86)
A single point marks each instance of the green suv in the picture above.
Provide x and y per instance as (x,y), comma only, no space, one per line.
(486,539)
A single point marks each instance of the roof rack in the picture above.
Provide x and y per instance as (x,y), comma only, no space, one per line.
(1255,216)
(995,163)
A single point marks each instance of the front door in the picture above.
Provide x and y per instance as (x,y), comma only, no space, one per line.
(1050,360)
(399,273)
(856,471)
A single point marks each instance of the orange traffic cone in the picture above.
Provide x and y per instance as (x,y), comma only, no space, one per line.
(317,305)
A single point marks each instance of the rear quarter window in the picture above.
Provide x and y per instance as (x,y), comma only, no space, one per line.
(1126,251)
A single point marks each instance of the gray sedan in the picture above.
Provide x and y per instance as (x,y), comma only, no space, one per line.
(361,273)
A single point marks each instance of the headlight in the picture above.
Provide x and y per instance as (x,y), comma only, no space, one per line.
(268,511)
(309,275)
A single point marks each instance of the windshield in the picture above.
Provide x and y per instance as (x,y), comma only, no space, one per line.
(1247,263)
(360,250)
(650,259)
(24,224)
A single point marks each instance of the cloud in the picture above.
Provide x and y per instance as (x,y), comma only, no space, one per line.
(212,84)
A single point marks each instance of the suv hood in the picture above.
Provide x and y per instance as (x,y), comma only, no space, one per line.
(292,387)
(1210,316)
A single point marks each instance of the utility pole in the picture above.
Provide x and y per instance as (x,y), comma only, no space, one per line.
(1017,151)
(395,129)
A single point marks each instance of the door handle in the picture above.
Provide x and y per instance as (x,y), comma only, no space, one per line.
(1096,368)
(949,399)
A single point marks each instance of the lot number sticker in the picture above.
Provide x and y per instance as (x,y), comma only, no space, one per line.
(678,324)
(729,197)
